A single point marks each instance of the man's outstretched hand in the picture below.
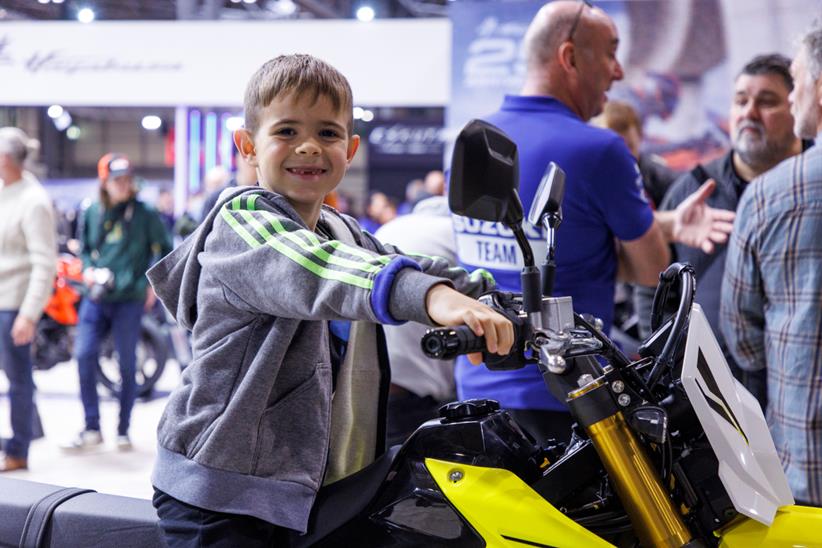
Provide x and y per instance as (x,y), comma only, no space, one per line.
(696,224)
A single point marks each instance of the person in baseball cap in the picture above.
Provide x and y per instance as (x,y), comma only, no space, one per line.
(120,237)
(116,179)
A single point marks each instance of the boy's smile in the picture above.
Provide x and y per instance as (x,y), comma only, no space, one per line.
(301,150)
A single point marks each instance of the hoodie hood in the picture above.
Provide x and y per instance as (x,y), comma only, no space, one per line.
(175,278)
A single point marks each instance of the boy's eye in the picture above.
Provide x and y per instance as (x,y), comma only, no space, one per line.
(285,131)
(329,133)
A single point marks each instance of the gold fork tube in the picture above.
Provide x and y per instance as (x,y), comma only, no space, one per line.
(655,520)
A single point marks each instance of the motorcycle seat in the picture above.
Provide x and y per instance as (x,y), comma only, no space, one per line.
(342,501)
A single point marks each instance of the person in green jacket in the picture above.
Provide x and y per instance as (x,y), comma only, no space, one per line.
(121,238)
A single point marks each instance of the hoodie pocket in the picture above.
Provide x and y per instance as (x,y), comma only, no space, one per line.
(292,434)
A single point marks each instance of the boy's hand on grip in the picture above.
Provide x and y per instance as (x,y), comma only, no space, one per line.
(449,307)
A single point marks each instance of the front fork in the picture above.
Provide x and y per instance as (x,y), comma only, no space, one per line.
(653,515)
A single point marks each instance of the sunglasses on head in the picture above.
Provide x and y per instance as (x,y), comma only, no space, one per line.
(575,24)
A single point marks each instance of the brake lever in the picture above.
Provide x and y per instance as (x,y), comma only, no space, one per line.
(555,347)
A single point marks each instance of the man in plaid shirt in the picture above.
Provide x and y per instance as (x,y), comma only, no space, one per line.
(771,310)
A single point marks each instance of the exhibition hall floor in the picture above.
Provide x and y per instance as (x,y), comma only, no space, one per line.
(105,469)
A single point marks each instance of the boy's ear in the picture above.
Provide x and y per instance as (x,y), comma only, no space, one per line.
(353,145)
(245,146)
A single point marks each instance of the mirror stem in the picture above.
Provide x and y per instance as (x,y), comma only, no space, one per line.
(530,276)
(549,269)
(524,245)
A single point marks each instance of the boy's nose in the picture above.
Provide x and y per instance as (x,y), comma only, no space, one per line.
(308,147)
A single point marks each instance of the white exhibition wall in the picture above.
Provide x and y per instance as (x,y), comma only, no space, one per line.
(399,62)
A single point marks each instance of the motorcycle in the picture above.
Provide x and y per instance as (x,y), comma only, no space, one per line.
(667,450)
(54,337)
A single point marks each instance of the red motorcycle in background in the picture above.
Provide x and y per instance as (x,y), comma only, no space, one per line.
(54,339)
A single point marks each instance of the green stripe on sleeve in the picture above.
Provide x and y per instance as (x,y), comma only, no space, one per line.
(239,228)
(345,248)
(484,274)
(315,250)
(295,256)
(336,244)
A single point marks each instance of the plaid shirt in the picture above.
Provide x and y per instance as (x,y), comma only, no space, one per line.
(771,308)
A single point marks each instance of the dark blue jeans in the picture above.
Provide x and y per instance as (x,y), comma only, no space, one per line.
(187,526)
(96,320)
(16,362)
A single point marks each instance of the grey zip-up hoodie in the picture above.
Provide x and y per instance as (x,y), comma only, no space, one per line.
(254,428)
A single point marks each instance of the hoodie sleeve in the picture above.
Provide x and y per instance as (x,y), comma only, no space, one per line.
(473,283)
(271,264)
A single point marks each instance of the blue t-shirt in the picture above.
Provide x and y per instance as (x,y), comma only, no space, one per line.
(603,201)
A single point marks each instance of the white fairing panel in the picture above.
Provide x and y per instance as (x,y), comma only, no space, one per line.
(733,421)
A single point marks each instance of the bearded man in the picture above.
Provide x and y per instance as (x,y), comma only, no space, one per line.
(762,136)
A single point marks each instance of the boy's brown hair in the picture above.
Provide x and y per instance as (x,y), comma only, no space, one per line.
(300,74)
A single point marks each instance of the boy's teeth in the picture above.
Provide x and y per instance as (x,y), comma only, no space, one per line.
(299,171)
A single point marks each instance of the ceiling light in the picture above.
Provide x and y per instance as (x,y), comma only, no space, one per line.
(57,1)
(358,113)
(43,1)
(284,7)
(63,121)
(151,122)
(55,111)
(249,1)
(73,133)
(365,13)
(85,15)
(367,116)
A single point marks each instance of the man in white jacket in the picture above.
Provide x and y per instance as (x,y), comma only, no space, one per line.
(28,257)
(419,385)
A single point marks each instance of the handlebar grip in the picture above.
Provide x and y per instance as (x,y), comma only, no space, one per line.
(446,343)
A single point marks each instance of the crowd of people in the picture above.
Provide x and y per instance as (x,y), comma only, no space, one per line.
(290,386)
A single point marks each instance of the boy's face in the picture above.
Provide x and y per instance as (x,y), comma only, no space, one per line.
(300,150)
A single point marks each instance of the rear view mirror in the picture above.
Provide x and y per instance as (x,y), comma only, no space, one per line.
(485,175)
(548,199)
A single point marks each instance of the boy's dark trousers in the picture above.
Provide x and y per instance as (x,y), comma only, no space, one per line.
(186,526)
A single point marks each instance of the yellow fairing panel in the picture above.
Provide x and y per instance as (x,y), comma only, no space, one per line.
(504,510)
(793,526)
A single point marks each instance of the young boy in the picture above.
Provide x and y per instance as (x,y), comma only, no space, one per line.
(288,383)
